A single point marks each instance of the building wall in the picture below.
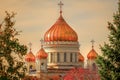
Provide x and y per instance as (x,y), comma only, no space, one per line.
(62,54)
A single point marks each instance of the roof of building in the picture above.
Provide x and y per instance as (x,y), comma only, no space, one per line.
(41,54)
(30,57)
(60,31)
(92,54)
(81,58)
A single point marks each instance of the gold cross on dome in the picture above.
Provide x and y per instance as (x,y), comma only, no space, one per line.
(60,4)
(30,45)
(92,41)
(42,41)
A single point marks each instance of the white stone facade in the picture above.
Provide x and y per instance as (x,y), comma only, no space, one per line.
(62,55)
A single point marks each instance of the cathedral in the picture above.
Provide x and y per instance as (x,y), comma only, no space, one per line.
(59,53)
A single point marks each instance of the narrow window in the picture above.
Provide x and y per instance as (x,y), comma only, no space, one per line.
(64,57)
(53,57)
(58,57)
(71,57)
(75,57)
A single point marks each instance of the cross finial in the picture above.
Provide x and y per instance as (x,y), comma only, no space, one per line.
(41,42)
(60,4)
(92,41)
(30,45)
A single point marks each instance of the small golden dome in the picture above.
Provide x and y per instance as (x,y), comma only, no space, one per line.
(41,54)
(81,58)
(92,54)
(30,57)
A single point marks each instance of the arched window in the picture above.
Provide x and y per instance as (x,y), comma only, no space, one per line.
(64,57)
(71,57)
(58,57)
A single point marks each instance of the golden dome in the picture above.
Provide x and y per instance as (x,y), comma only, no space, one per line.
(41,54)
(30,57)
(81,58)
(60,31)
(92,54)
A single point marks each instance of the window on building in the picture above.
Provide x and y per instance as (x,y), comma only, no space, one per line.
(94,67)
(75,57)
(58,57)
(71,57)
(64,57)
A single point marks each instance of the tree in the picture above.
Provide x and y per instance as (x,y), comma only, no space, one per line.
(11,51)
(109,61)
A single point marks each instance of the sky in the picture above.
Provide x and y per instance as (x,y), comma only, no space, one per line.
(87,17)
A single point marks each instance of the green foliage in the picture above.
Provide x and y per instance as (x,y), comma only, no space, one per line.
(109,62)
(11,51)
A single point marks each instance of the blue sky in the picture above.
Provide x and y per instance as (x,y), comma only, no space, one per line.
(87,17)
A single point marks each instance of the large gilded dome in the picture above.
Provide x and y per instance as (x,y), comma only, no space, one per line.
(60,31)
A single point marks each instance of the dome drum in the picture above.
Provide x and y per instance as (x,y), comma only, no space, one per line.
(60,42)
(61,49)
